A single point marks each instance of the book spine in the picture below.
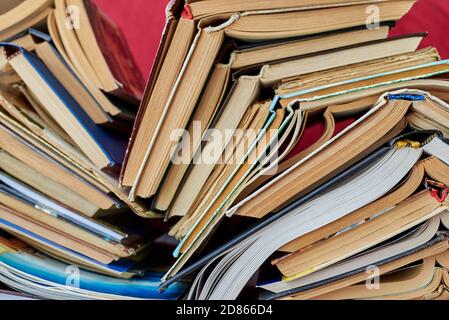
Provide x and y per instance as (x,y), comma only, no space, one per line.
(147,91)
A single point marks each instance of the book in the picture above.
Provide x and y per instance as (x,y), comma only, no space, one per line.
(18,16)
(103,149)
(422,281)
(248,235)
(64,127)
(302,214)
(214,93)
(31,265)
(214,216)
(180,205)
(28,137)
(91,53)
(197,66)
(434,247)
(281,150)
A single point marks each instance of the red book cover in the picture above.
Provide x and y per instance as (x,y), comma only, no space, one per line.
(117,54)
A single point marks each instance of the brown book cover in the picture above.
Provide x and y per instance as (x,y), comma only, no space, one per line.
(172,12)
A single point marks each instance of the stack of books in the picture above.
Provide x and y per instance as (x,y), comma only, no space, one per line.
(288,146)
(69,93)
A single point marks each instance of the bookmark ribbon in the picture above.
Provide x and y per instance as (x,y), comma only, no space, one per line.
(438,190)
(408,97)
(408,144)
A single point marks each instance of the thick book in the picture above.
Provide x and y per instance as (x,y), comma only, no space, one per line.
(147,170)
(355,127)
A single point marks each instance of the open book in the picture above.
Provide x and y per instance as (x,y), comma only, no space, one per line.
(273,232)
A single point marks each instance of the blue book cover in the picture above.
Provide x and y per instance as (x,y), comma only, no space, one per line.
(51,270)
(122,265)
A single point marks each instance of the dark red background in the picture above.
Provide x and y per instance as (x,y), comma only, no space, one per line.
(142,22)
